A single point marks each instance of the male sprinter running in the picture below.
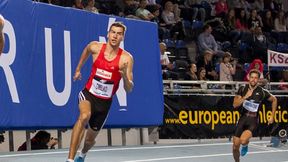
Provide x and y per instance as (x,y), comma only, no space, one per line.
(249,98)
(110,64)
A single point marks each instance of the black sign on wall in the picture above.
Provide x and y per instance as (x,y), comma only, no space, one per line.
(212,117)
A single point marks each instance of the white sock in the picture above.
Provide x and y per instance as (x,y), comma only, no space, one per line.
(81,154)
(69,160)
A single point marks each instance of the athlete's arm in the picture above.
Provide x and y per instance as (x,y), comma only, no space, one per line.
(127,73)
(2,41)
(272,99)
(238,99)
(84,56)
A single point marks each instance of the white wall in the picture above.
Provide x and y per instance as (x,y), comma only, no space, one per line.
(132,138)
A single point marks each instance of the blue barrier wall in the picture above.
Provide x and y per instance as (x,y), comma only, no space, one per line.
(43,46)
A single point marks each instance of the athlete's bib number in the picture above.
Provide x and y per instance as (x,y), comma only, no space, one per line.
(250,106)
(102,89)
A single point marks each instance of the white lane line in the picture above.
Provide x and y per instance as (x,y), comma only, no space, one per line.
(203,156)
(263,147)
(122,149)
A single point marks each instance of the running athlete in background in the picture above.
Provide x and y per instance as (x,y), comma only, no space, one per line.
(110,64)
(248,100)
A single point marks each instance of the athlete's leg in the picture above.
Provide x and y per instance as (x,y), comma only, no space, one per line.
(79,127)
(88,144)
(236,138)
(95,125)
(246,135)
(236,146)
(89,140)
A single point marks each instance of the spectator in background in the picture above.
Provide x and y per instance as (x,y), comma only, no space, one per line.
(202,74)
(177,11)
(164,57)
(42,140)
(164,60)
(285,6)
(243,4)
(230,25)
(284,79)
(221,8)
(172,22)
(129,9)
(91,6)
(258,5)
(227,69)
(241,21)
(2,41)
(260,44)
(254,20)
(258,65)
(273,5)
(206,62)
(268,22)
(206,41)
(242,26)
(280,23)
(163,32)
(78,4)
(142,12)
(168,14)
(2,138)
(281,28)
(192,9)
(202,77)
(192,73)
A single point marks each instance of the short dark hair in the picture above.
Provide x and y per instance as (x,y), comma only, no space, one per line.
(42,135)
(206,26)
(255,71)
(118,24)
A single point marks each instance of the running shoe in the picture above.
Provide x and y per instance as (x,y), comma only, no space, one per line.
(79,159)
(244,150)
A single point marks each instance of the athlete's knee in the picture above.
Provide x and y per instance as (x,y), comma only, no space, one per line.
(85,111)
(243,141)
(84,117)
(236,146)
(236,143)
